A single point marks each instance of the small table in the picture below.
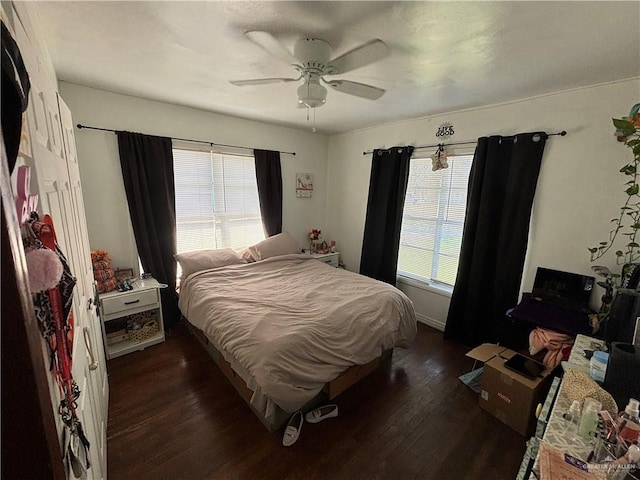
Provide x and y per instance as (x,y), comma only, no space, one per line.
(132,320)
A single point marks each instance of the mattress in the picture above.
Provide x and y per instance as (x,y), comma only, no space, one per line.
(289,324)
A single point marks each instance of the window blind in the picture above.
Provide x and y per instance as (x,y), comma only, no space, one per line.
(433,219)
(216,201)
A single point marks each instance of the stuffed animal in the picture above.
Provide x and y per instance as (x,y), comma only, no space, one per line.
(104,275)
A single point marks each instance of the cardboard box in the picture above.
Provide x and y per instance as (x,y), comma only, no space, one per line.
(509,396)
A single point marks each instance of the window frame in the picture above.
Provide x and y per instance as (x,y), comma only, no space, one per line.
(214,150)
(425,283)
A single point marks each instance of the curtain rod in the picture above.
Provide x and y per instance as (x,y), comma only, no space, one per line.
(562,134)
(212,144)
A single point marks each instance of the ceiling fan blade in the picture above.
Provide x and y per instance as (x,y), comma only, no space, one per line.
(357,89)
(263,81)
(271,45)
(370,52)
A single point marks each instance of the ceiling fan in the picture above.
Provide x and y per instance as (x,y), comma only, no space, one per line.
(312,59)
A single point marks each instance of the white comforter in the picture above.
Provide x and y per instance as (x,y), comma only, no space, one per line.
(293,323)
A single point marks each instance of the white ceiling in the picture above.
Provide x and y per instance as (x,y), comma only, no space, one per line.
(445,56)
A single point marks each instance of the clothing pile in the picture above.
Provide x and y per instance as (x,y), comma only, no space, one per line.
(558,345)
(104,275)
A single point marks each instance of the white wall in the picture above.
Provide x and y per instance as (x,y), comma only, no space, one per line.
(106,205)
(579,188)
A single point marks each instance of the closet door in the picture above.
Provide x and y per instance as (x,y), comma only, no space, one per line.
(49,176)
(55,177)
(88,337)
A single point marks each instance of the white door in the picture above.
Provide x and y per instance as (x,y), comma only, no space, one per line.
(88,329)
(57,182)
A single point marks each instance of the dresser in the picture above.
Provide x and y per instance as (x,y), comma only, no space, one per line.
(132,320)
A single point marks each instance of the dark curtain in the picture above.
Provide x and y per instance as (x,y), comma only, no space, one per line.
(147,171)
(269,176)
(500,195)
(387,189)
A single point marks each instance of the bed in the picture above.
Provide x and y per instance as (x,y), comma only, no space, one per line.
(290,331)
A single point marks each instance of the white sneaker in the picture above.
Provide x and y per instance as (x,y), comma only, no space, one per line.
(321,413)
(292,431)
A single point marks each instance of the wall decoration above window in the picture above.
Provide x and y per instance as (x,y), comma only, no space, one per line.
(445,131)
(304,185)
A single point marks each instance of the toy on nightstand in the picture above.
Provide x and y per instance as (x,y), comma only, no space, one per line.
(125,285)
(103,274)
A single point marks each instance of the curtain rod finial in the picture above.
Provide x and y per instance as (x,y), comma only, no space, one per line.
(80,126)
(563,133)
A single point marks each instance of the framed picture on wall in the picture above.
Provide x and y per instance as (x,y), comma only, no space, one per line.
(304,185)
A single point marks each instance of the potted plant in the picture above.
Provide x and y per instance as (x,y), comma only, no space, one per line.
(627,222)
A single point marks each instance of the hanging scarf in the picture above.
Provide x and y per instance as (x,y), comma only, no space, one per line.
(53,300)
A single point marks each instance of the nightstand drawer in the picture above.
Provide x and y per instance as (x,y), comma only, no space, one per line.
(332,259)
(121,303)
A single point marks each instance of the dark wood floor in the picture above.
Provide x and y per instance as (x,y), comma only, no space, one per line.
(173,415)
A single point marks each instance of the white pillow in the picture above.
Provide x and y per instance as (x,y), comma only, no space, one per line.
(280,244)
(198,260)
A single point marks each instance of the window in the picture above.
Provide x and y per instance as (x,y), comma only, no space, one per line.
(434,211)
(216,200)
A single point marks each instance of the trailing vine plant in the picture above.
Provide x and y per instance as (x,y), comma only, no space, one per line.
(627,223)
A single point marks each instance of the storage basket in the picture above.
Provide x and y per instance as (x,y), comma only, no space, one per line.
(143,325)
(149,329)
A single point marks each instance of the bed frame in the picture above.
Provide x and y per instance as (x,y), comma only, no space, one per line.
(331,390)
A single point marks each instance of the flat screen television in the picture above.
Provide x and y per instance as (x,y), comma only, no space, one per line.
(564,289)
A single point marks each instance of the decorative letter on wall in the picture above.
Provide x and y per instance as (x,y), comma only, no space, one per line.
(25,202)
(445,130)
(304,185)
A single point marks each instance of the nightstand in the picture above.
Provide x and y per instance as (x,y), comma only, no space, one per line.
(132,320)
(332,259)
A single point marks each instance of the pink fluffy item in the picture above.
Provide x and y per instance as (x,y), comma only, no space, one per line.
(45,269)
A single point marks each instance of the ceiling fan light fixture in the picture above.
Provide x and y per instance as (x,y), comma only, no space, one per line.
(312,59)
(312,94)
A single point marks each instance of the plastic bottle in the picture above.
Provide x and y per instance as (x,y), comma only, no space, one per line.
(631,429)
(573,418)
(598,365)
(630,460)
(589,420)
